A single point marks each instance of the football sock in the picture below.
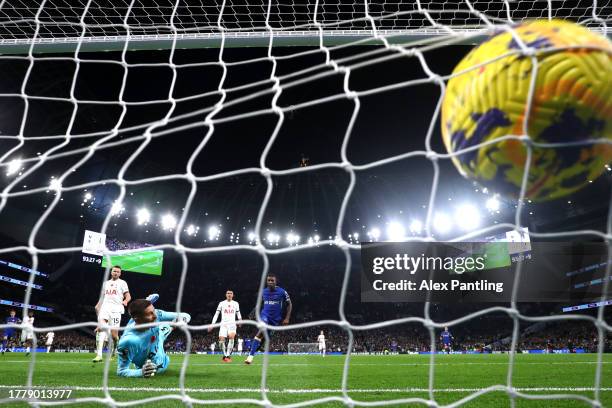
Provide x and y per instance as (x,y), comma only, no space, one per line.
(230,347)
(222,344)
(101,337)
(254,346)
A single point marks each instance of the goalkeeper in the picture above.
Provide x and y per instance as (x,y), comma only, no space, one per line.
(145,347)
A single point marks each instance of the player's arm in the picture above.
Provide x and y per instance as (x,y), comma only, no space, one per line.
(238,315)
(215,317)
(124,361)
(289,309)
(126,294)
(99,304)
(164,316)
(127,298)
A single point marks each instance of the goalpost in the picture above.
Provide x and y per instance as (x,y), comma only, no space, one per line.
(32,32)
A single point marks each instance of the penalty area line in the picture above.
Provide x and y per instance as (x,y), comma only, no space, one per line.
(302,391)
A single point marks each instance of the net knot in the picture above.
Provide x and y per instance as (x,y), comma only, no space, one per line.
(431,155)
(528,52)
(266,172)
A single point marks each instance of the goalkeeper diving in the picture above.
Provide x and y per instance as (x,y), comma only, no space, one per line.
(144,347)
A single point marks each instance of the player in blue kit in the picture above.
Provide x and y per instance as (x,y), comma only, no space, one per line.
(446,337)
(276,311)
(10,333)
(145,347)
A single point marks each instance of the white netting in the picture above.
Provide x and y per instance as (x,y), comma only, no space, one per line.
(121,21)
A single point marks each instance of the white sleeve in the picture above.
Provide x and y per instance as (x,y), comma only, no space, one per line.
(125,287)
(217,313)
(238,315)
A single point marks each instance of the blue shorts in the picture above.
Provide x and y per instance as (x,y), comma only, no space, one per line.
(8,334)
(271,321)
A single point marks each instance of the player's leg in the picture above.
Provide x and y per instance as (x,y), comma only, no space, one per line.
(230,343)
(101,335)
(254,347)
(3,343)
(28,344)
(222,345)
(257,340)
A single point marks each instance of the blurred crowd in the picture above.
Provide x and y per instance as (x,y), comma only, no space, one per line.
(114,244)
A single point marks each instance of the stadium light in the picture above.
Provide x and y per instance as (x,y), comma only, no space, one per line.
(13,167)
(442,223)
(416,226)
(293,239)
(356,236)
(213,232)
(492,204)
(395,231)
(87,196)
(468,217)
(374,233)
(168,222)
(317,238)
(251,236)
(117,208)
(191,230)
(273,238)
(143,216)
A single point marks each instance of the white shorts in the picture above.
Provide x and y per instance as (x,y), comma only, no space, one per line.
(29,335)
(113,318)
(321,346)
(49,343)
(226,329)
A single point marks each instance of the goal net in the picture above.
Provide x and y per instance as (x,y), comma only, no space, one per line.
(302,348)
(107,102)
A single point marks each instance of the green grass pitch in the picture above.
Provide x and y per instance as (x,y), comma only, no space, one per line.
(149,262)
(293,379)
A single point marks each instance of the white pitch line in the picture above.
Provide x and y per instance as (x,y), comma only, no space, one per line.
(301,391)
(86,362)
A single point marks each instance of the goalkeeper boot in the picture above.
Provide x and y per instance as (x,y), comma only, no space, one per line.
(153,297)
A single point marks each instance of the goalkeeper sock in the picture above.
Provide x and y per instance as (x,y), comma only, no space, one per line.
(254,346)
(222,345)
(230,347)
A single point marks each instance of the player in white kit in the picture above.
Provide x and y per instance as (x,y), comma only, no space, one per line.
(27,334)
(49,340)
(321,341)
(110,307)
(240,343)
(229,309)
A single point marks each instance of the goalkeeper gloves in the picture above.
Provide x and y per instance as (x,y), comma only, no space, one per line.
(148,369)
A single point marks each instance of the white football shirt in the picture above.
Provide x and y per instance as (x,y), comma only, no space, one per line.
(50,337)
(321,339)
(228,311)
(113,295)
